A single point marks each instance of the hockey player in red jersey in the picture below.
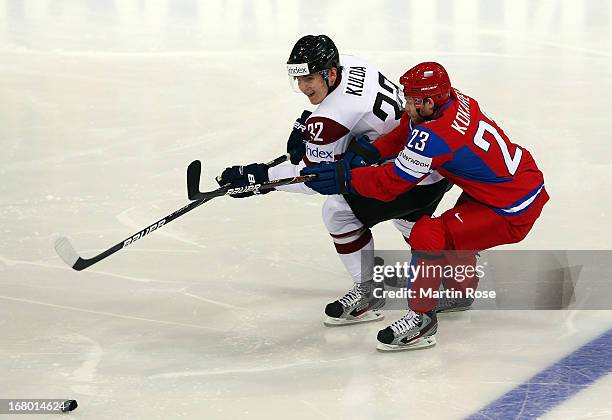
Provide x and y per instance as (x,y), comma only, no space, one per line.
(355,104)
(503,189)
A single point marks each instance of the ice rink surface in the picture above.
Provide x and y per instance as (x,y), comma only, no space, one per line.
(219,315)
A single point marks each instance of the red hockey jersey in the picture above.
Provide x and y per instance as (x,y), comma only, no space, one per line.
(466,147)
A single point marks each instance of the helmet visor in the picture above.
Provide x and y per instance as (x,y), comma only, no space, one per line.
(294,71)
(308,79)
(294,83)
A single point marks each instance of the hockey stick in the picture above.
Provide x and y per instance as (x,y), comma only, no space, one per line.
(195,168)
(67,253)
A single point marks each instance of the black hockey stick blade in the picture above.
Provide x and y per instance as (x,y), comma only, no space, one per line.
(194,171)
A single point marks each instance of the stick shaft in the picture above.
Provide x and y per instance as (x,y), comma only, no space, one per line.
(67,253)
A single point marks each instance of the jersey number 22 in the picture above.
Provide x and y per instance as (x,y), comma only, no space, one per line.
(382,98)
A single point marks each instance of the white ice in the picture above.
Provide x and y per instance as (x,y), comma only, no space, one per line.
(219,314)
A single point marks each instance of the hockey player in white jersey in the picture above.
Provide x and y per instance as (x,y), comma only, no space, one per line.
(356,104)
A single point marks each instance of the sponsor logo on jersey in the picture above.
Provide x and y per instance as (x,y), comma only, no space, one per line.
(295,70)
(414,161)
(316,153)
(144,232)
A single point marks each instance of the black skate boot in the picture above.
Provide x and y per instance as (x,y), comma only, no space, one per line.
(358,305)
(411,332)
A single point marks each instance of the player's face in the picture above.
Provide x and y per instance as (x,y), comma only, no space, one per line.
(314,86)
(417,112)
(411,110)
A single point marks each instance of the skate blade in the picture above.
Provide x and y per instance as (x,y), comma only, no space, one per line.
(447,311)
(422,343)
(367,317)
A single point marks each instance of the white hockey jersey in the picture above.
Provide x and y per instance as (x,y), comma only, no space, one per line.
(365,102)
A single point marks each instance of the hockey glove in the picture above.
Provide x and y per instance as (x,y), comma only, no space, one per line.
(360,152)
(296,144)
(333,177)
(244,176)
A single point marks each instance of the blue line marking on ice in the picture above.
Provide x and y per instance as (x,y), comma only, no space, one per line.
(555,384)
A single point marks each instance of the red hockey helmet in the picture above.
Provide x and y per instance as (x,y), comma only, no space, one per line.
(426,80)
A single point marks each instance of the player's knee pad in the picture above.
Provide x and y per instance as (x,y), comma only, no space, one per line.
(338,216)
(429,234)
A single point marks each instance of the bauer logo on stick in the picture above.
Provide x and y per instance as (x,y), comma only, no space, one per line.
(248,188)
(144,232)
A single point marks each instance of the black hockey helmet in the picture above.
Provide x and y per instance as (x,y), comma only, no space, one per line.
(312,54)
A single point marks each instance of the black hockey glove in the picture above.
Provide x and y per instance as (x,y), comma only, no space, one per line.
(360,152)
(241,177)
(296,144)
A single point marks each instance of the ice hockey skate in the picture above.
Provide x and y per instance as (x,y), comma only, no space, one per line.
(413,331)
(447,304)
(357,305)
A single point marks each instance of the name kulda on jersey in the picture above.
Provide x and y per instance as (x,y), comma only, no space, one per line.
(356,80)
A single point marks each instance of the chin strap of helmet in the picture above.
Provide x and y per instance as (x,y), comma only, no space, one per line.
(431,116)
(325,75)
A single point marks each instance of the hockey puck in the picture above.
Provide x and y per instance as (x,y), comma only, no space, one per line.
(69,405)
